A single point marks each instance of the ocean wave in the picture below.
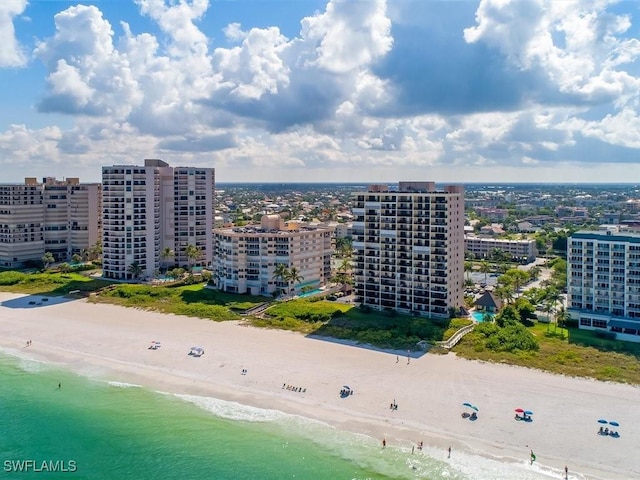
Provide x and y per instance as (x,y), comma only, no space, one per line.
(123,384)
(24,361)
(233,410)
(396,461)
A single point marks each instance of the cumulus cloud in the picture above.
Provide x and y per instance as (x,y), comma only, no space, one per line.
(575,44)
(496,82)
(11,53)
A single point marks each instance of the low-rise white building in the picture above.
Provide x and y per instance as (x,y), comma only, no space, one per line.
(246,258)
(482,247)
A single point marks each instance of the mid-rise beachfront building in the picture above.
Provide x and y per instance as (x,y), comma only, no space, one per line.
(152,207)
(409,246)
(246,258)
(57,216)
(484,247)
(603,274)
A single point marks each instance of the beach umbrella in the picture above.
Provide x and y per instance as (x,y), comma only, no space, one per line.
(472,407)
(528,412)
(602,420)
(346,386)
(519,410)
(614,424)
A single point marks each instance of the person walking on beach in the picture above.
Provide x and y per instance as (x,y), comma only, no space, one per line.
(384,442)
(449,456)
(566,473)
(533,457)
(397,359)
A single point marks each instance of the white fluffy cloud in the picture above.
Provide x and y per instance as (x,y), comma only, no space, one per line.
(527,82)
(11,53)
(576,44)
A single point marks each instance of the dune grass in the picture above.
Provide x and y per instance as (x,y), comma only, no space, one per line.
(49,283)
(570,352)
(337,320)
(191,300)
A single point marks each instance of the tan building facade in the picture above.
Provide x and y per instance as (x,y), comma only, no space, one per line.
(409,246)
(58,216)
(246,258)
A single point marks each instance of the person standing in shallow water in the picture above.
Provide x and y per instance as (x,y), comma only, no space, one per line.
(384,442)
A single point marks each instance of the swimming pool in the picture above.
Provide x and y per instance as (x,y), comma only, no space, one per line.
(479,316)
(310,293)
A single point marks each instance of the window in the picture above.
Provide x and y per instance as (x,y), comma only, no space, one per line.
(599,323)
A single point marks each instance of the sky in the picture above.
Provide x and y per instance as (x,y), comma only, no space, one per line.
(323,91)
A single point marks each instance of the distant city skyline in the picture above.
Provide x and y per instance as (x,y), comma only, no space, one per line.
(371,91)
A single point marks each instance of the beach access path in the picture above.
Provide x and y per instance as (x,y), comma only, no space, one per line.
(111,342)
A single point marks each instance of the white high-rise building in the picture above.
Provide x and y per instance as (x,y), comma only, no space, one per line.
(603,275)
(152,207)
(409,247)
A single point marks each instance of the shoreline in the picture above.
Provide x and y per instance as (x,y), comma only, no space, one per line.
(111,342)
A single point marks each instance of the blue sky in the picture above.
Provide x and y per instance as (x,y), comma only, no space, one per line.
(334,90)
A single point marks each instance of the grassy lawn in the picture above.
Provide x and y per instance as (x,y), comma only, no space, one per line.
(581,354)
(191,300)
(48,283)
(348,322)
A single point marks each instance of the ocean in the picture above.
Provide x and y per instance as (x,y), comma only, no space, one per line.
(90,428)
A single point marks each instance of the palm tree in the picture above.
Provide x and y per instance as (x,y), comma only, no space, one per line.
(551,297)
(485,268)
(534,272)
(193,253)
(135,269)
(280,273)
(48,259)
(468,268)
(294,277)
(562,317)
(95,252)
(166,254)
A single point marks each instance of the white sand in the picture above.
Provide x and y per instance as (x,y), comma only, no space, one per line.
(111,342)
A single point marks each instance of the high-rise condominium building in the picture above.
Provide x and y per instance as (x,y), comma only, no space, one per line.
(247,258)
(150,208)
(603,273)
(409,247)
(57,216)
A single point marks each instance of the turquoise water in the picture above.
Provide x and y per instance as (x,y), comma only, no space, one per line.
(479,316)
(310,293)
(108,430)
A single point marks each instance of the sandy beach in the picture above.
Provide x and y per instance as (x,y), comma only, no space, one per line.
(112,342)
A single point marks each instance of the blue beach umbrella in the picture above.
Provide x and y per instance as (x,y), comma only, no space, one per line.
(472,407)
(602,420)
(614,424)
(528,412)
